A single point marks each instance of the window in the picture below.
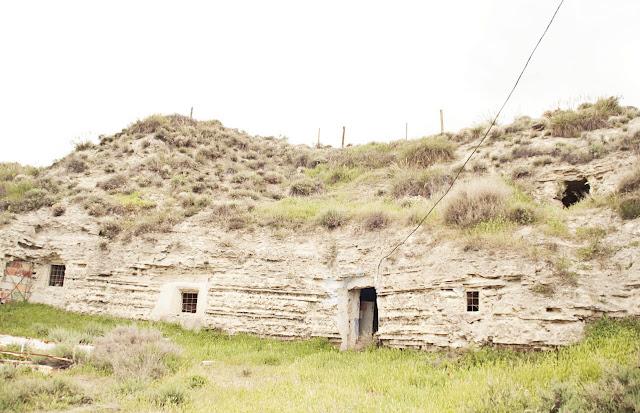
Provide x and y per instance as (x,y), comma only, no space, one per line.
(473,301)
(189,302)
(56,277)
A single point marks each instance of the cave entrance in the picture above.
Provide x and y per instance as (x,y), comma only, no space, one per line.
(574,191)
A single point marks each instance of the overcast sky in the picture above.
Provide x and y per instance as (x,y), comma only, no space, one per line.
(71,70)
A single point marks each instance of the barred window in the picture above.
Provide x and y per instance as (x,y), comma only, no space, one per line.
(189,302)
(473,301)
(56,276)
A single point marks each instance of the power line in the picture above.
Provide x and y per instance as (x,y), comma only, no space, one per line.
(475,149)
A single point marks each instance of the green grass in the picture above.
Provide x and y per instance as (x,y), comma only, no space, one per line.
(134,201)
(253,374)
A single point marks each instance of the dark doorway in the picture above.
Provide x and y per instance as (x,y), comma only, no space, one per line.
(574,191)
(368,312)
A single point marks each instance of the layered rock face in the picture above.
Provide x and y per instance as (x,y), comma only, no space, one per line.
(186,221)
(304,286)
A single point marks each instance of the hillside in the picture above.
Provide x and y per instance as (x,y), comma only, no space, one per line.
(165,170)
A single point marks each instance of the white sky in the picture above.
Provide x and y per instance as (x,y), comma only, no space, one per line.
(72,70)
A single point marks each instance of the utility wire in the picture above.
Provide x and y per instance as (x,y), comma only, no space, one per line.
(475,149)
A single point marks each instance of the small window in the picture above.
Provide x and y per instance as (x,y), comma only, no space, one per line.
(56,277)
(189,302)
(473,301)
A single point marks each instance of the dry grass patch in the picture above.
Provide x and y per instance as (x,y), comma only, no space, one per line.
(306,187)
(130,352)
(478,201)
(569,123)
(426,152)
(420,183)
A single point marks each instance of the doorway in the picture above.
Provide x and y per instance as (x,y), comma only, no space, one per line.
(363,317)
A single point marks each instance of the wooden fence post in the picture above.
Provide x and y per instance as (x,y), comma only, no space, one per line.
(406,131)
(318,144)
(343,131)
(191,113)
(441,122)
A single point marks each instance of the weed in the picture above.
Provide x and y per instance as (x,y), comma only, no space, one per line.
(629,208)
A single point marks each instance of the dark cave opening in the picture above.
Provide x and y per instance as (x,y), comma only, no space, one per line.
(574,191)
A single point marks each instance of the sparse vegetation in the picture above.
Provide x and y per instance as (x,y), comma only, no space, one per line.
(598,374)
(420,183)
(131,352)
(477,202)
(569,123)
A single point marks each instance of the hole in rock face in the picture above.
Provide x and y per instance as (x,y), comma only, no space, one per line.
(574,191)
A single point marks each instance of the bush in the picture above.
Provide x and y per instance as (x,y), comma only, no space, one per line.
(630,183)
(84,145)
(110,229)
(427,151)
(232,216)
(629,208)
(569,123)
(420,183)
(130,352)
(332,219)
(305,187)
(376,220)
(150,124)
(58,210)
(370,156)
(76,165)
(161,221)
(169,395)
(113,183)
(39,393)
(522,214)
(478,202)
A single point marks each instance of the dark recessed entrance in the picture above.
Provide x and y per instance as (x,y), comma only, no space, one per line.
(574,191)
(368,319)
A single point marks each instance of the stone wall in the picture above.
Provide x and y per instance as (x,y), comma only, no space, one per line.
(299,286)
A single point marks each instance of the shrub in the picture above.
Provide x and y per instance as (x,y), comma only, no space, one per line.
(161,221)
(58,210)
(39,393)
(150,124)
(109,229)
(370,156)
(130,352)
(76,165)
(569,123)
(427,151)
(519,124)
(24,196)
(197,381)
(522,214)
(420,183)
(305,187)
(272,178)
(169,395)
(84,145)
(332,219)
(231,216)
(478,202)
(376,220)
(113,183)
(629,208)
(630,183)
